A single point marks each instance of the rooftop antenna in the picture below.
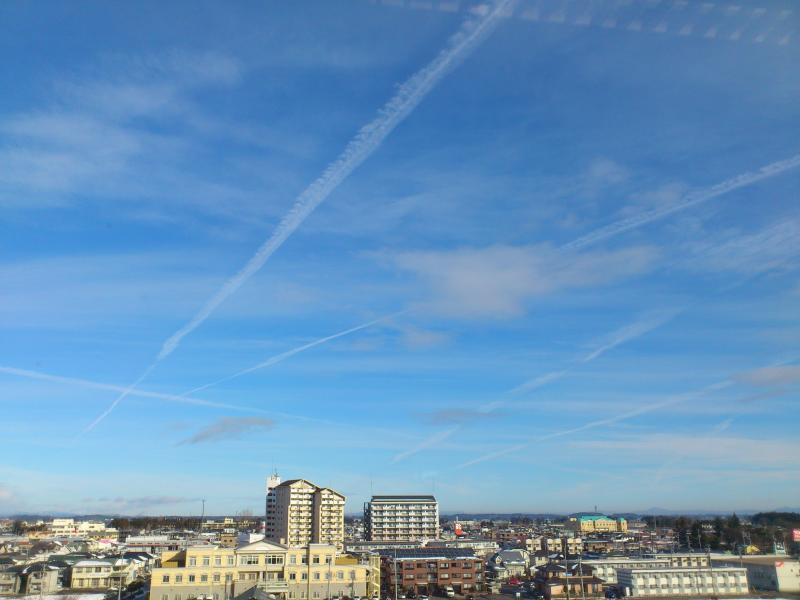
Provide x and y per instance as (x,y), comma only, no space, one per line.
(202,515)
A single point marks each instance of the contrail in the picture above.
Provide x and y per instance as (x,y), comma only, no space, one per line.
(362,146)
(601,422)
(118,388)
(426,443)
(691,199)
(97,385)
(625,334)
(284,355)
(620,336)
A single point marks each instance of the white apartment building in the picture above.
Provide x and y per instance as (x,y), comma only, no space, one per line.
(73,528)
(300,513)
(682,581)
(606,568)
(398,518)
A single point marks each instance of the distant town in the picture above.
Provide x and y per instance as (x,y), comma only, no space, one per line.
(304,548)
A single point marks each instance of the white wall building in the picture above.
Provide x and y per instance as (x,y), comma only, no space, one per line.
(682,581)
(606,568)
(774,573)
(396,518)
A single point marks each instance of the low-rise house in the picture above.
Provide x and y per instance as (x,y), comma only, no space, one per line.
(98,574)
(509,563)
(558,581)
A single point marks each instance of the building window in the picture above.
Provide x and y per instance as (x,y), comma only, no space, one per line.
(216,577)
(204,578)
(177,597)
(228,577)
(178,578)
(217,561)
(274,559)
(340,575)
(164,597)
(292,576)
(206,561)
(191,578)
(192,561)
(304,576)
(315,559)
(293,559)
(248,559)
(316,576)
(304,559)
(165,579)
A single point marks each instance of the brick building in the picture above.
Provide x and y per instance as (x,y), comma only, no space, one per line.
(431,570)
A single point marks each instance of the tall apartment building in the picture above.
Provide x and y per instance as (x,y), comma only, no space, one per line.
(397,518)
(300,513)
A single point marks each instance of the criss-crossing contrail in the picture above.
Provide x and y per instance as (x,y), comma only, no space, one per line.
(97,385)
(690,199)
(284,355)
(368,139)
(601,422)
(620,336)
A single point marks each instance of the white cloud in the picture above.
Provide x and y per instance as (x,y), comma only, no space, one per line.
(499,281)
(774,247)
(772,376)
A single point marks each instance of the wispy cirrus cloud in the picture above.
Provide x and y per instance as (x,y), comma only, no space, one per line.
(778,375)
(228,428)
(500,281)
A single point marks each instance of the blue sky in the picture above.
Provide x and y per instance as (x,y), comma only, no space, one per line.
(564,311)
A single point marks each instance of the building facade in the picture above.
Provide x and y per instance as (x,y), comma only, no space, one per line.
(606,568)
(401,518)
(315,572)
(597,524)
(300,513)
(102,574)
(682,581)
(431,570)
(771,573)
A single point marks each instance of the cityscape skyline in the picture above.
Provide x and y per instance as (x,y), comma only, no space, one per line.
(523,256)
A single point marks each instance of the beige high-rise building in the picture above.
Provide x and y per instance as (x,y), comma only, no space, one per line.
(301,513)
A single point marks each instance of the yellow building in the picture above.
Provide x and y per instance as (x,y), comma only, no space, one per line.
(597,523)
(314,572)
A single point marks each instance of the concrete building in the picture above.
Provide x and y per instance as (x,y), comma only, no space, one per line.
(398,518)
(314,572)
(682,560)
(300,513)
(431,570)
(73,528)
(682,581)
(770,573)
(596,523)
(606,568)
(572,545)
